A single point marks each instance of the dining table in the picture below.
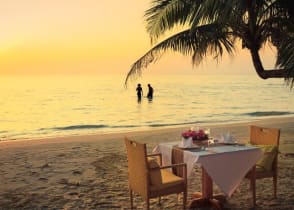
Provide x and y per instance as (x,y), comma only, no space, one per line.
(223,164)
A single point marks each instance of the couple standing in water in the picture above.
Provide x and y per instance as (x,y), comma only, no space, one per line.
(140,92)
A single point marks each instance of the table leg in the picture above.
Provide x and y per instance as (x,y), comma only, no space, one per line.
(207,185)
(205,198)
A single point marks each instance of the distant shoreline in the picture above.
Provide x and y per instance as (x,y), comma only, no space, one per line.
(144,129)
(114,135)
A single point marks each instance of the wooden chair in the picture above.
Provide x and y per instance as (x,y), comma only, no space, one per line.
(267,166)
(148,178)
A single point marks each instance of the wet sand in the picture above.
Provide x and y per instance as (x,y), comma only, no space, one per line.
(90,171)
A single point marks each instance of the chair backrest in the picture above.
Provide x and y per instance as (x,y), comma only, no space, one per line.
(137,167)
(264,136)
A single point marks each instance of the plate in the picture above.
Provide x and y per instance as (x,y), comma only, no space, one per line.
(229,143)
(239,144)
(193,147)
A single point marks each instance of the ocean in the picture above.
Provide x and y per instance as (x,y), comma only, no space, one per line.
(48,106)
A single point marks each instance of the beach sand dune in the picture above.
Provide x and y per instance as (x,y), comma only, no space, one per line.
(90,172)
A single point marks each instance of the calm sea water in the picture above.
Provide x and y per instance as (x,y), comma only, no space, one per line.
(39,106)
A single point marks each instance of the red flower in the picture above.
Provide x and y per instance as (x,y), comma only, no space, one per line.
(196,135)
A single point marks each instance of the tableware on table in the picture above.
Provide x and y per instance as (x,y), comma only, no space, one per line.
(227,138)
(207,131)
(210,141)
(193,147)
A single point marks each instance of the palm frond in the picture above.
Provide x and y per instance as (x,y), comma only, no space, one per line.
(209,11)
(164,15)
(214,25)
(206,39)
(286,59)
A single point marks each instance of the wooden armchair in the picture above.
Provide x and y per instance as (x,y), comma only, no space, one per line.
(148,178)
(267,167)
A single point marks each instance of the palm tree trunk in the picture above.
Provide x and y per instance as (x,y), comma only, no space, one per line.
(265,74)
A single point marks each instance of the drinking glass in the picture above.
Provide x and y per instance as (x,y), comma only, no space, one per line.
(207,131)
(209,140)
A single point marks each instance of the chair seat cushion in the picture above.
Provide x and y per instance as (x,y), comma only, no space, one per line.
(262,172)
(266,161)
(165,179)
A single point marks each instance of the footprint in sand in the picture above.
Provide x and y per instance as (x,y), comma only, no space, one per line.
(34,173)
(46,165)
(77,172)
(43,179)
(289,155)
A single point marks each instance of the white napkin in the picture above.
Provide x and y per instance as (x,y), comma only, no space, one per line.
(227,138)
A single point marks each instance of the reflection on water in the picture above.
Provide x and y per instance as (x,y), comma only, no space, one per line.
(40,106)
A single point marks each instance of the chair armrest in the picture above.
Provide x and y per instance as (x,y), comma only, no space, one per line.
(156,155)
(174,165)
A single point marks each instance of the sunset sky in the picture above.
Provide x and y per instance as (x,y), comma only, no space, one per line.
(90,36)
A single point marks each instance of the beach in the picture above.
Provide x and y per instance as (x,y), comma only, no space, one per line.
(90,171)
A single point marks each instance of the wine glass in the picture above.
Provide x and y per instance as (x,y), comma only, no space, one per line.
(207,131)
(209,140)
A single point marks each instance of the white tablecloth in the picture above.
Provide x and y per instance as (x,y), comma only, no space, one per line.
(227,165)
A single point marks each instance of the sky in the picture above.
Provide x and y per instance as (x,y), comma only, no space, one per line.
(91,37)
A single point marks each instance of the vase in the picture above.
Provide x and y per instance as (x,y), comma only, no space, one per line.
(187,142)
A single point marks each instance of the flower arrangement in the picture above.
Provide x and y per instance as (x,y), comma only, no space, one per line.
(200,134)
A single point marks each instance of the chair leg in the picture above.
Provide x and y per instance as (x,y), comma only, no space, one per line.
(252,185)
(147,204)
(131,198)
(159,200)
(275,179)
(184,199)
(253,188)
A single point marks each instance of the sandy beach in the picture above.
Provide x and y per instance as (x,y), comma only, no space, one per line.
(90,172)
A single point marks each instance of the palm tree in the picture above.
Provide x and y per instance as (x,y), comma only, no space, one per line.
(211,27)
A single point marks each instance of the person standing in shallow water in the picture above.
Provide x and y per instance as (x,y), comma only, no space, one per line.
(139,92)
(150,92)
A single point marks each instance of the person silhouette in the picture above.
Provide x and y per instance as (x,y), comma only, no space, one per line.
(150,92)
(139,92)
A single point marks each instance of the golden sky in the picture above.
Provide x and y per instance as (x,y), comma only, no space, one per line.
(88,36)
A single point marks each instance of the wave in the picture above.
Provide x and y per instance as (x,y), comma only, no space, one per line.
(78,127)
(175,124)
(124,126)
(271,113)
